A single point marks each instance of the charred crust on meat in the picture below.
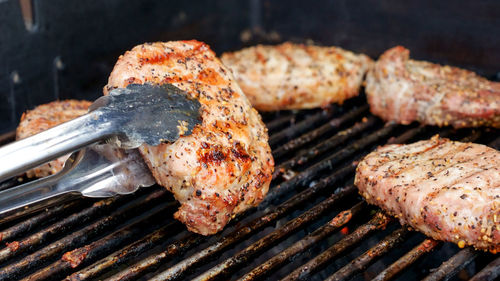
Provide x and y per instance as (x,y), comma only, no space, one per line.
(224,155)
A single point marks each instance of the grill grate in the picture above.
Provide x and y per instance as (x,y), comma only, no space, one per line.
(312,225)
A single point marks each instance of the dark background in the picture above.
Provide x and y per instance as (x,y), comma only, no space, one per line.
(66,49)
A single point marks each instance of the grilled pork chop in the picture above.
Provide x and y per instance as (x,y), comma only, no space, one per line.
(44,117)
(403,90)
(448,190)
(225,166)
(291,76)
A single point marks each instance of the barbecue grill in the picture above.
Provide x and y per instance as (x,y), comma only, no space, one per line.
(312,225)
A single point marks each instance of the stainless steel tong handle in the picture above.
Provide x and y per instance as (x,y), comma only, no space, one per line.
(97,171)
(71,136)
(138,114)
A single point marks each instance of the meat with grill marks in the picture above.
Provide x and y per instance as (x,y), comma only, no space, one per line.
(295,76)
(225,165)
(403,90)
(44,117)
(446,189)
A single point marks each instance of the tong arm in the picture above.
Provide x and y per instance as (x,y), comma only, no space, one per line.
(96,171)
(33,151)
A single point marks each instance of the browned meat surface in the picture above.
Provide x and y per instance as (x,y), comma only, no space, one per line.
(44,117)
(225,166)
(403,90)
(292,76)
(445,189)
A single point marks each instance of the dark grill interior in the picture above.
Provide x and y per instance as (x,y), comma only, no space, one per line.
(312,225)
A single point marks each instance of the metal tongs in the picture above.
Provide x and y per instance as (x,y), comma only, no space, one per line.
(125,119)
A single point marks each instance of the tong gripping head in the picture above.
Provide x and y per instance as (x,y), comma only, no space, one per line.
(147,113)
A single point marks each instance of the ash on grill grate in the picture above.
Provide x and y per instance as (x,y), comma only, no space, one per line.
(311,226)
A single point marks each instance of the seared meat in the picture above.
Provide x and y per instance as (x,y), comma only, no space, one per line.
(403,90)
(291,76)
(225,166)
(446,189)
(44,117)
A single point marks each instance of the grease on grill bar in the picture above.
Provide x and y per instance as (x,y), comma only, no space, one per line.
(364,260)
(76,238)
(426,246)
(311,226)
(340,220)
(377,222)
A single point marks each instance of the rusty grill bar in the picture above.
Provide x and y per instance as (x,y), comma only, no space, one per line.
(311,226)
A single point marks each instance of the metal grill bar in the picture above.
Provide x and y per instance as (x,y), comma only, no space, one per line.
(42,218)
(406,136)
(240,233)
(426,246)
(326,125)
(472,137)
(79,237)
(98,208)
(378,221)
(308,154)
(232,238)
(369,256)
(150,263)
(450,267)
(123,255)
(306,176)
(333,124)
(319,234)
(490,272)
(180,268)
(280,121)
(302,126)
(82,255)
(269,240)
